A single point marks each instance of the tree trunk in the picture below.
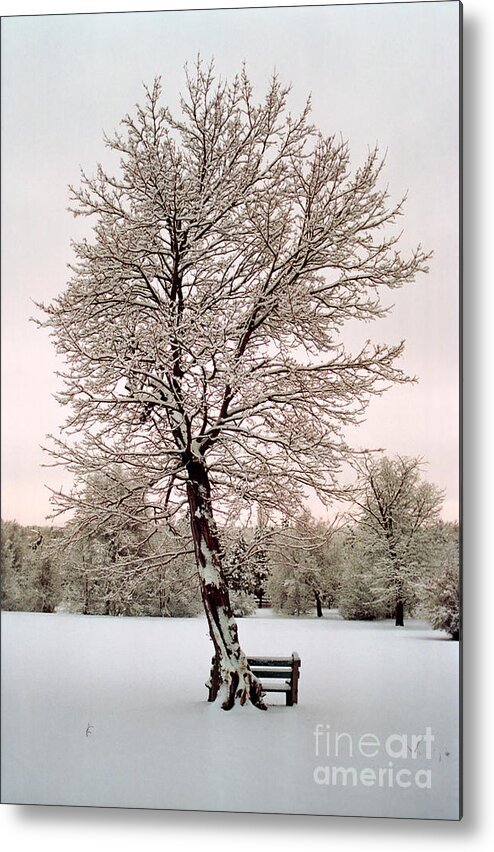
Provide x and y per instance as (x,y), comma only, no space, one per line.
(399,612)
(318,604)
(45,582)
(237,681)
(161,596)
(86,595)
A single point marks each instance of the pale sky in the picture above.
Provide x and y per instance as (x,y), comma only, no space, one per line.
(377,73)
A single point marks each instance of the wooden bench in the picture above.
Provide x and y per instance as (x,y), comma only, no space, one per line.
(270,671)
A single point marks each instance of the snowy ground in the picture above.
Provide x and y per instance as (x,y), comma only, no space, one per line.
(113,712)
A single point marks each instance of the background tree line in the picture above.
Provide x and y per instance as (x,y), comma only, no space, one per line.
(124,567)
(43,572)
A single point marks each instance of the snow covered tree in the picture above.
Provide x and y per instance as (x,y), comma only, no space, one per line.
(170,578)
(43,569)
(395,507)
(288,592)
(304,561)
(440,591)
(82,575)
(443,606)
(360,594)
(108,538)
(14,581)
(127,563)
(94,582)
(333,556)
(201,326)
(237,565)
(30,574)
(259,558)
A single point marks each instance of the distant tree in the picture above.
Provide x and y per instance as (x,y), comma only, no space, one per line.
(443,607)
(127,563)
(333,555)
(43,570)
(440,591)
(13,576)
(202,324)
(287,591)
(239,572)
(30,576)
(108,538)
(164,584)
(395,506)
(261,566)
(82,574)
(304,559)
(360,593)
(237,565)
(169,585)
(242,603)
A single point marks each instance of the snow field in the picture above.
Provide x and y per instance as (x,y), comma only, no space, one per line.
(113,712)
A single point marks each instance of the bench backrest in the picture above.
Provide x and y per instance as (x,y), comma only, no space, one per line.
(267,667)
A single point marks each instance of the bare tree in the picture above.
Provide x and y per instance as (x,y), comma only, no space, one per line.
(201,326)
(395,507)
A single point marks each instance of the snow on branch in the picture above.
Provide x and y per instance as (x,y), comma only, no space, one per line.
(203,320)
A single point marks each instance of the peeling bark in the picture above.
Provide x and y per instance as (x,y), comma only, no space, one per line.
(237,683)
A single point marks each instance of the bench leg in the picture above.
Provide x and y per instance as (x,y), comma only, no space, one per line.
(294,683)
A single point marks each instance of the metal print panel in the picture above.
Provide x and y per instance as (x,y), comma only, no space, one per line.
(234,584)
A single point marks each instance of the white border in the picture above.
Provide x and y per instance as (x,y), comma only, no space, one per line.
(80,828)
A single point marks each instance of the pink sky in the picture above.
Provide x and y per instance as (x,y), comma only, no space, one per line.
(376,73)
